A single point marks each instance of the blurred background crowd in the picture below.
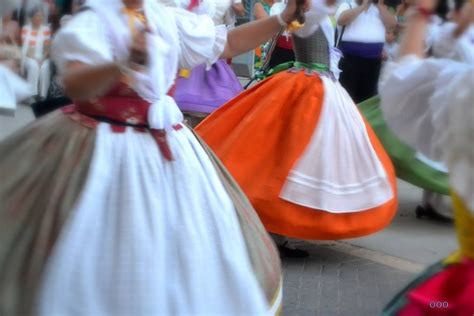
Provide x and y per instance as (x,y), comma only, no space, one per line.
(25,40)
(367,41)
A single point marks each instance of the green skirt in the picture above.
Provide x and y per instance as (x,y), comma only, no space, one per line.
(407,166)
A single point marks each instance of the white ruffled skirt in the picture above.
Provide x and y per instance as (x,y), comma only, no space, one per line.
(145,236)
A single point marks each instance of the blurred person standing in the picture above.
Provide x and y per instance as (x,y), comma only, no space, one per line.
(283,48)
(56,97)
(36,39)
(12,86)
(19,14)
(10,53)
(390,48)
(362,25)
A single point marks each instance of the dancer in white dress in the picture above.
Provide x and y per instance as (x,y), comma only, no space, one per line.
(446,44)
(115,207)
(13,89)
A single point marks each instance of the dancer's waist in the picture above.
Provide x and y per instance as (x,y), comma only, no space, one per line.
(131,111)
(285,42)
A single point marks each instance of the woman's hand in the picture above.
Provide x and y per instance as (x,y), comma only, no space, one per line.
(250,35)
(239,9)
(388,19)
(381,4)
(291,11)
(138,51)
(366,4)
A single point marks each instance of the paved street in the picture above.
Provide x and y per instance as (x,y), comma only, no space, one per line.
(332,283)
(352,277)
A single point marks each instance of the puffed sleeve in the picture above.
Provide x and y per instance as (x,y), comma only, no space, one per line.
(416,100)
(316,14)
(201,42)
(82,39)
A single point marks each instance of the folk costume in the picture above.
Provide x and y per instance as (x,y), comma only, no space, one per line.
(300,149)
(428,103)
(35,61)
(115,207)
(445,45)
(201,90)
(13,89)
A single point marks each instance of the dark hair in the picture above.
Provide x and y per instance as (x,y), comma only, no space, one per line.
(442,9)
(69,4)
(458,4)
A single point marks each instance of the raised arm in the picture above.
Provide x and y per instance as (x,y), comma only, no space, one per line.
(413,40)
(239,8)
(259,12)
(388,19)
(85,82)
(250,35)
(349,15)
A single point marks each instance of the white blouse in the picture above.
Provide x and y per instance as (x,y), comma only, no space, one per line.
(446,46)
(177,39)
(367,27)
(428,103)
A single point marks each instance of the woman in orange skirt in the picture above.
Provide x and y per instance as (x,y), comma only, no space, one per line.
(301,151)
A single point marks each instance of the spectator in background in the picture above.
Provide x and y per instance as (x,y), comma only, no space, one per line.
(9,31)
(402,10)
(362,26)
(283,51)
(391,46)
(56,97)
(36,38)
(20,13)
(12,87)
(10,54)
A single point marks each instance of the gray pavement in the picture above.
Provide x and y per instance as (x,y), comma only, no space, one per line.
(9,124)
(352,277)
(334,283)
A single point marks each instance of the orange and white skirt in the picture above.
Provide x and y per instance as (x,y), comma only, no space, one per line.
(304,155)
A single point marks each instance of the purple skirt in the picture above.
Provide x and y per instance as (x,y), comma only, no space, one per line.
(205,91)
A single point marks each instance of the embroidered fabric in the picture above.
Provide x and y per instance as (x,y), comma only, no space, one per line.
(88,38)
